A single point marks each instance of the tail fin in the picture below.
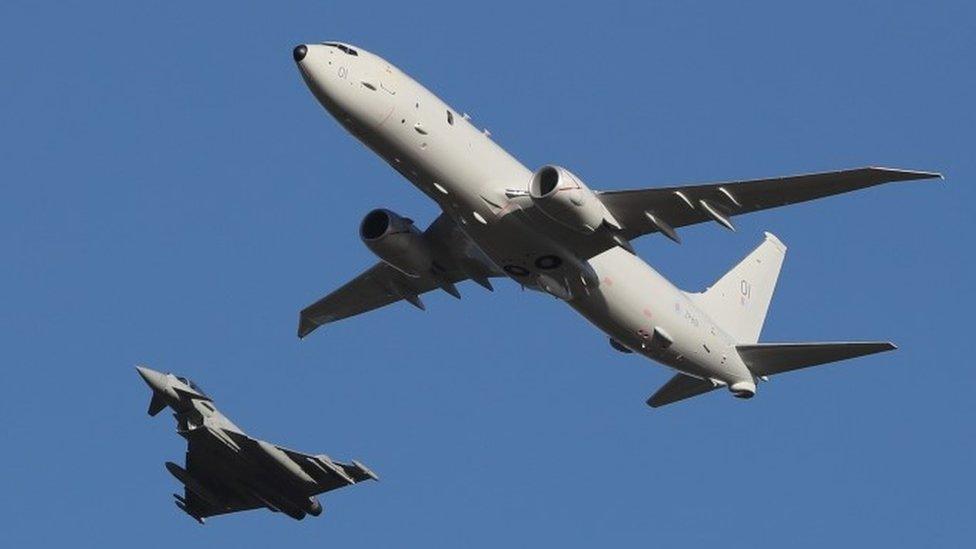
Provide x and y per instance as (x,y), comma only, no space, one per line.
(739,300)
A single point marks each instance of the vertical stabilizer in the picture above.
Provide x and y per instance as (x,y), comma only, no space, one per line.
(738,301)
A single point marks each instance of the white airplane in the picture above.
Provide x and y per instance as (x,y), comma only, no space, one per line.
(549,232)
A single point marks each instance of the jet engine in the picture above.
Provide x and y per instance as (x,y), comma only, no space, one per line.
(563,197)
(397,241)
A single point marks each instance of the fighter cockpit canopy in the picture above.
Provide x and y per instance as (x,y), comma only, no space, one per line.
(192,385)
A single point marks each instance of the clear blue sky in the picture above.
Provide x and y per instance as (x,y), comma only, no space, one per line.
(172,194)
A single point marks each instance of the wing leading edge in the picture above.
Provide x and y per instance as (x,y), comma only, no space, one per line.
(457,260)
(378,286)
(646,211)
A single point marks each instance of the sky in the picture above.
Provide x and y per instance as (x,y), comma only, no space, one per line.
(173,195)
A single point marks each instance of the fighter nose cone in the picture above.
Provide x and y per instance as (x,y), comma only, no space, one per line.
(152,377)
(299,52)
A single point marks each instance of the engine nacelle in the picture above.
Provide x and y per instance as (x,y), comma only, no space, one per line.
(563,197)
(397,241)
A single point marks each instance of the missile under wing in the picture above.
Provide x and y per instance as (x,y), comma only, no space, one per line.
(227,471)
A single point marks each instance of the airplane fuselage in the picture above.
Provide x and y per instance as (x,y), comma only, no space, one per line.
(483,189)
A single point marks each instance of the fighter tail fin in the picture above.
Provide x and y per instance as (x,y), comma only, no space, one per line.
(739,300)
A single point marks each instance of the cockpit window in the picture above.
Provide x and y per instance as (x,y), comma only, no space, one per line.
(450,118)
(192,385)
(345,49)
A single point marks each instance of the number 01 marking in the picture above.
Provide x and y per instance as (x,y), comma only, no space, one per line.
(343,72)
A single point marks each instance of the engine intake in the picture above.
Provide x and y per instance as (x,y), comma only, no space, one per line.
(397,242)
(561,195)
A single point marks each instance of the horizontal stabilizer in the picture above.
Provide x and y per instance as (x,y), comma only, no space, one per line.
(764,359)
(679,387)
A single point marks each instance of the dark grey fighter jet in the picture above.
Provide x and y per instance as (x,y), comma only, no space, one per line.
(228,471)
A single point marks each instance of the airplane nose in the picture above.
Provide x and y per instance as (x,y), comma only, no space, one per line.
(152,377)
(299,52)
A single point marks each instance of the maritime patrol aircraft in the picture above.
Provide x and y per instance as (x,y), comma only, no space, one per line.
(548,231)
(228,471)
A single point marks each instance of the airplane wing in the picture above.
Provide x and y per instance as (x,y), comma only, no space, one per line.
(330,474)
(214,476)
(662,209)
(381,284)
(326,473)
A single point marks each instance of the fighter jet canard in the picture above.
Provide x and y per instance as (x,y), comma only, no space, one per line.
(227,471)
(548,231)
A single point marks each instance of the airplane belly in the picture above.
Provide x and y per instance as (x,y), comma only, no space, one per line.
(642,310)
